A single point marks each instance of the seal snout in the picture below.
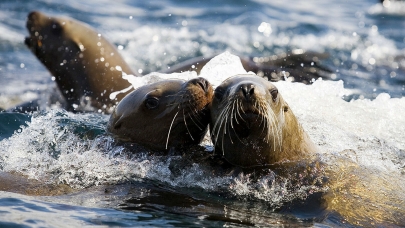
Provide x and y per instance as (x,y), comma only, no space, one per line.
(248,90)
(33,15)
(247,93)
(32,18)
(203,83)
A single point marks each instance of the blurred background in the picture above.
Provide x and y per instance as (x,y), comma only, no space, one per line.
(364,39)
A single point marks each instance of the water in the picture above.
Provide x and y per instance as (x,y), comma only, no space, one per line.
(109,186)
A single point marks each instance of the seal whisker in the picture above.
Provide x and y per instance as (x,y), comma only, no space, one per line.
(237,111)
(255,105)
(258,106)
(263,119)
(190,115)
(233,114)
(231,121)
(220,121)
(239,108)
(222,146)
(278,134)
(273,130)
(218,125)
(278,131)
(185,122)
(168,134)
(195,113)
(178,99)
(270,123)
(178,94)
(266,125)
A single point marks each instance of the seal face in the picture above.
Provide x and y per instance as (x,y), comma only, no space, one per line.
(85,65)
(164,114)
(252,125)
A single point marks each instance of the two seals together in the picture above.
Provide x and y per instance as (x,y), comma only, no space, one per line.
(250,122)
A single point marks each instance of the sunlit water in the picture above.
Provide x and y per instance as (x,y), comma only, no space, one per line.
(365,42)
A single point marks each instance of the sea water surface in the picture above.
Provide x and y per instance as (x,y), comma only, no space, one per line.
(358,116)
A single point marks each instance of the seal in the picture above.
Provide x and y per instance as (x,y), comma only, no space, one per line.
(251,124)
(297,65)
(17,183)
(164,114)
(85,65)
(87,68)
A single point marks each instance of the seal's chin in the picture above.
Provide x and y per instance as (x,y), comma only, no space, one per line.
(32,43)
(244,123)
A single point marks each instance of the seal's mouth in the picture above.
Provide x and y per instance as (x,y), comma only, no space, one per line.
(29,41)
(250,116)
(249,110)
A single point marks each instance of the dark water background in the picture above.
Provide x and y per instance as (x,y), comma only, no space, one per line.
(364,40)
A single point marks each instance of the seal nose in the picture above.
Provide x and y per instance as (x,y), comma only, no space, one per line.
(248,90)
(32,15)
(204,84)
(31,20)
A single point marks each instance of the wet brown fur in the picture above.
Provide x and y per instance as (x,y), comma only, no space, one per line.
(272,135)
(180,116)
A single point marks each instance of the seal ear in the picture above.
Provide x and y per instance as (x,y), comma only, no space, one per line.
(219,93)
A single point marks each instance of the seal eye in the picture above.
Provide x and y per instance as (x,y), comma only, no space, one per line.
(219,93)
(274,94)
(151,103)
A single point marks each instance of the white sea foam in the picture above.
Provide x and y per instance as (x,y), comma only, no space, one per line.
(388,8)
(9,34)
(371,128)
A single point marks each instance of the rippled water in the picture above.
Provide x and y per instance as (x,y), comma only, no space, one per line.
(111,186)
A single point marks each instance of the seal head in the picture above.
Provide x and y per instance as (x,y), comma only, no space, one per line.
(164,114)
(85,65)
(252,125)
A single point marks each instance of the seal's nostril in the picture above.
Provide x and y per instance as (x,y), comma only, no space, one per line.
(204,84)
(248,90)
(207,85)
(201,85)
(252,90)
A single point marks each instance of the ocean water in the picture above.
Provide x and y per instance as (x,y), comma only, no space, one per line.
(357,119)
